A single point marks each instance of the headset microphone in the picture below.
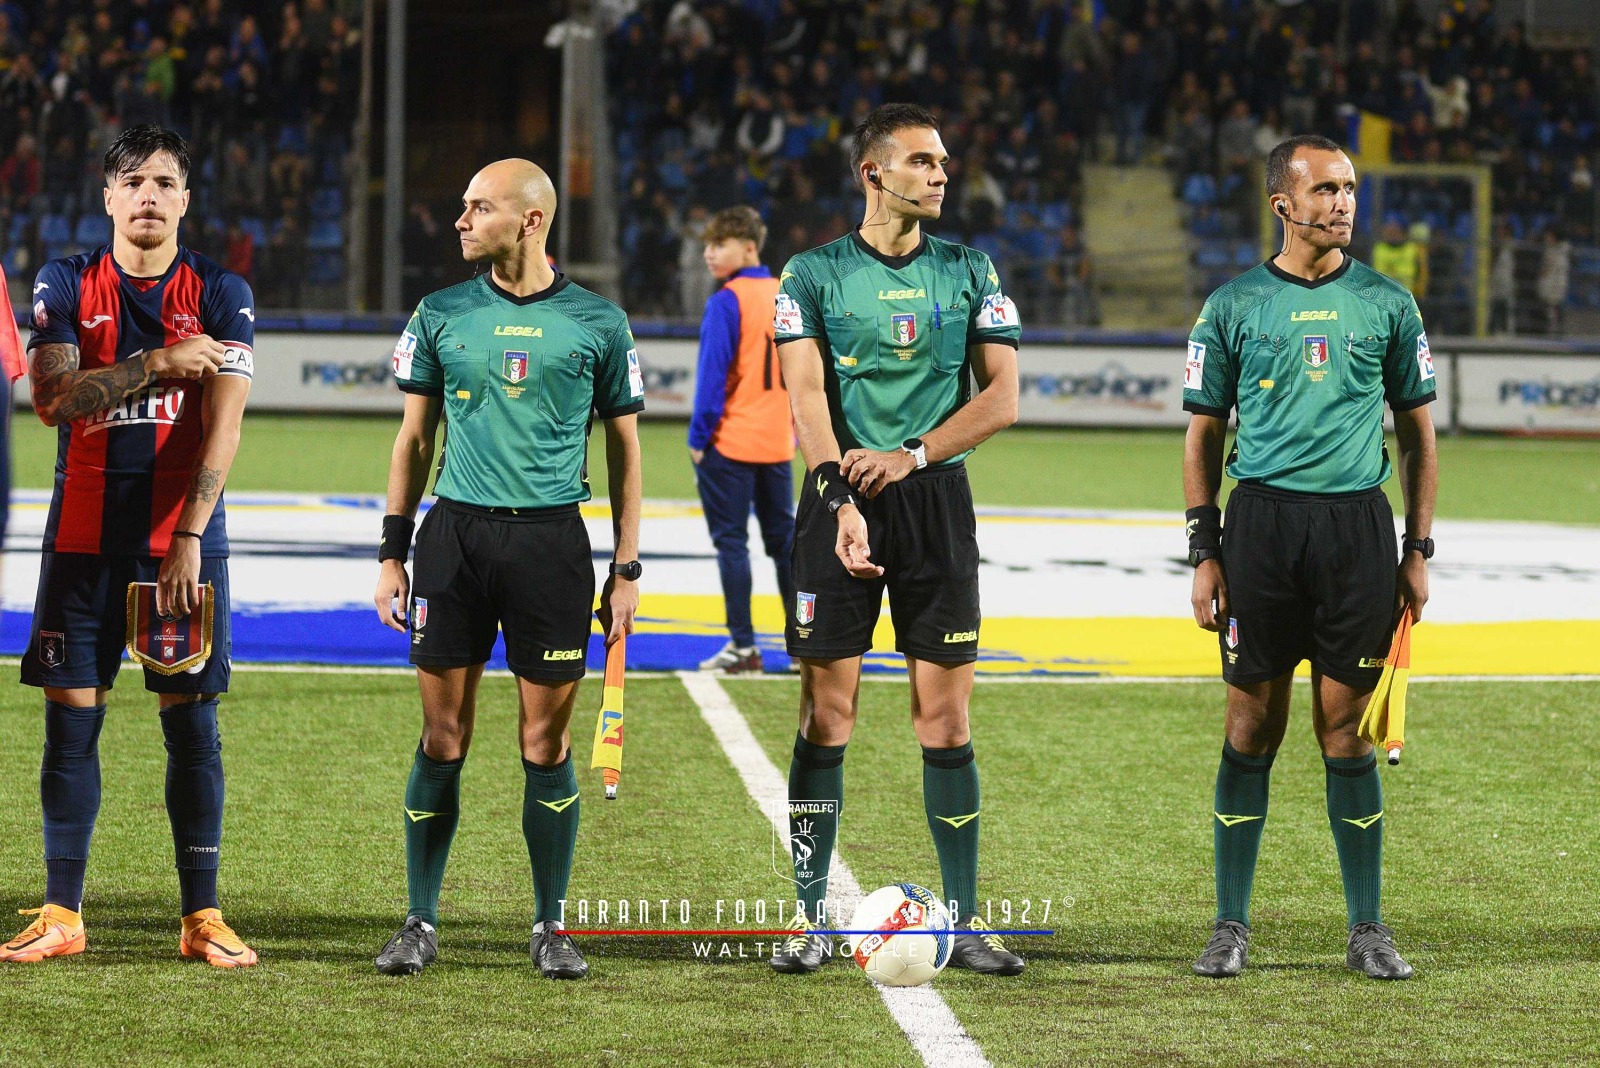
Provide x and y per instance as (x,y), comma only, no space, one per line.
(872,176)
(1283,211)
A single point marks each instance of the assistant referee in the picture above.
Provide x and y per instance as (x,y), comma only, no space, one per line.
(1308,347)
(516,360)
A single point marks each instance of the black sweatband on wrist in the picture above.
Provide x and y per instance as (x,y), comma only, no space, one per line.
(396,543)
(829,482)
(1204,527)
(186,534)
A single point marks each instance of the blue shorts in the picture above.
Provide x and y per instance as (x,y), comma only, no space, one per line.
(80,624)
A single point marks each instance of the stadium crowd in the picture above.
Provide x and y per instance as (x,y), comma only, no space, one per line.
(265,93)
(754,101)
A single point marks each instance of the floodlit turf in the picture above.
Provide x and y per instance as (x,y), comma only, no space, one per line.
(1480,477)
(1097,793)
(1103,794)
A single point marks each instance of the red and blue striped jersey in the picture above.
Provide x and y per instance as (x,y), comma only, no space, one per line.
(122,474)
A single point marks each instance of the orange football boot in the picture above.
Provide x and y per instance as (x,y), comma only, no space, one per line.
(206,937)
(58,932)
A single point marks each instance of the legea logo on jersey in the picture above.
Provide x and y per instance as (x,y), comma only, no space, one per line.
(159,404)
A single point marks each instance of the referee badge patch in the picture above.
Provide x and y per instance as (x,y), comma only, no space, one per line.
(1233,633)
(805,608)
(903,328)
(515,367)
(419,613)
(1315,352)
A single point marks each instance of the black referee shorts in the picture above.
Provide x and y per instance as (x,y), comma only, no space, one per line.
(1310,576)
(480,571)
(924,534)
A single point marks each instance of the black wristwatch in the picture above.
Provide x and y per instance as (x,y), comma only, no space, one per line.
(1200,556)
(839,502)
(630,570)
(1421,545)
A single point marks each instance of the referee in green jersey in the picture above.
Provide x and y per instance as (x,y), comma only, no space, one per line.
(880,334)
(1308,347)
(515,360)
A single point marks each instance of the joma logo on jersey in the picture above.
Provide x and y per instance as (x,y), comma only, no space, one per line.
(158,404)
(563,654)
(901,294)
(519,331)
(1313,316)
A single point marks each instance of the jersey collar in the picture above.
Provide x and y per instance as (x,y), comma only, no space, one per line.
(532,298)
(894,263)
(1283,275)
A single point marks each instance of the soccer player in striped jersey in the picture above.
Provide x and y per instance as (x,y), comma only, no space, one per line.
(142,358)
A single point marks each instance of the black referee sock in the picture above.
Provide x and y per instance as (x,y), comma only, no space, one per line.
(69,792)
(550,825)
(816,797)
(950,798)
(432,810)
(194,799)
(1238,818)
(1355,812)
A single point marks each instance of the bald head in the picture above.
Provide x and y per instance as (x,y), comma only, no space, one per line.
(508,207)
(518,183)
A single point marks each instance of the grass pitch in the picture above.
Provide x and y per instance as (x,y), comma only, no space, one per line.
(1480,477)
(1491,868)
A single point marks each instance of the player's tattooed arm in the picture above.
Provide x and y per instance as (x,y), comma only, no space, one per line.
(62,392)
(206,484)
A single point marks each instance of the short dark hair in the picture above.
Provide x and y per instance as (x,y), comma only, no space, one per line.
(137,144)
(872,136)
(1283,154)
(742,223)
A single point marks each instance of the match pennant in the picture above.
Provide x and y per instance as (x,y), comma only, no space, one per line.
(168,646)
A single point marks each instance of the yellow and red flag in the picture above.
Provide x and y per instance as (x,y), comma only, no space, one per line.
(608,726)
(1384,722)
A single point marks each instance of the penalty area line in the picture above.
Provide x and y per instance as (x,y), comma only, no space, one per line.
(928,1023)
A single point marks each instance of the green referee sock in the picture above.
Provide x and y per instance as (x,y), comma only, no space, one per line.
(432,808)
(1355,812)
(950,798)
(1239,817)
(550,825)
(816,774)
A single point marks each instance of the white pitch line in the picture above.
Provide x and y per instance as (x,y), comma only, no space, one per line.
(933,1030)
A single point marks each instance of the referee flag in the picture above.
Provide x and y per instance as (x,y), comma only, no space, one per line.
(13,360)
(1384,722)
(608,727)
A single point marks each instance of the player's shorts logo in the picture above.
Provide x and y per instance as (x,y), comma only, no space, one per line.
(187,325)
(805,608)
(52,648)
(515,368)
(1315,352)
(903,328)
(1233,633)
(419,613)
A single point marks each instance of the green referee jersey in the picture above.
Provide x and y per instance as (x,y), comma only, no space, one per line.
(1310,366)
(894,332)
(519,377)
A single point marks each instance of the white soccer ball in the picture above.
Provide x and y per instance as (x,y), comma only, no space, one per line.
(910,935)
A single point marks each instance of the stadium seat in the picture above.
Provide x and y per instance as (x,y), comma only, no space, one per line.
(55,229)
(327,203)
(1199,189)
(327,268)
(254,227)
(1212,255)
(15,260)
(1246,254)
(19,223)
(1055,215)
(92,231)
(325,236)
(293,137)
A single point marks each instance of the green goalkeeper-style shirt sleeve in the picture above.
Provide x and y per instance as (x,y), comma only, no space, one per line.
(1408,380)
(994,317)
(416,357)
(797,312)
(618,381)
(1210,369)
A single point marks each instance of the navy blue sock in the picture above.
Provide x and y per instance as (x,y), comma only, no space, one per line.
(69,793)
(194,798)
